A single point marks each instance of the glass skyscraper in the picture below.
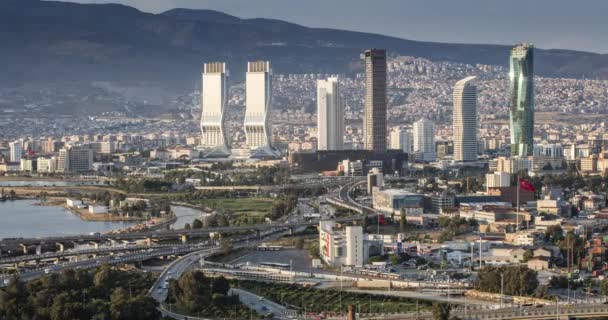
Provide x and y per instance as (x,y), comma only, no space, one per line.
(521,99)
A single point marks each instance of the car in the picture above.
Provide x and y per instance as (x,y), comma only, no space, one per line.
(264,308)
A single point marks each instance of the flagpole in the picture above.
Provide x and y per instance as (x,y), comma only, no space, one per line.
(517,213)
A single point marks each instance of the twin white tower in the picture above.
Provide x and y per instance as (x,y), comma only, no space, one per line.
(258,104)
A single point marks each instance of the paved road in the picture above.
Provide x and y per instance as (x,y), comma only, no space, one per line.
(92,263)
(261,305)
(427,296)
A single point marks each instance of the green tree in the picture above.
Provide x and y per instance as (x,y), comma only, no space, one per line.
(441,311)
(299,244)
(220,285)
(197,224)
(554,234)
(402,221)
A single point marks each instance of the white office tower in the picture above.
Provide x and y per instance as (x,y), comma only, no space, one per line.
(401,139)
(465,120)
(258,105)
(15,151)
(424,140)
(214,95)
(330,115)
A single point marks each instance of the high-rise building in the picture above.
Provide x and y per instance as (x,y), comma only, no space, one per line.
(330,115)
(213,107)
(424,140)
(16,151)
(465,120)
(258,105)
(401,139)
(75,159)
(521,104)
(374,119)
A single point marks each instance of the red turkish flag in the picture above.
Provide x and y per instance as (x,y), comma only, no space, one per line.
(526,185)
(381,219)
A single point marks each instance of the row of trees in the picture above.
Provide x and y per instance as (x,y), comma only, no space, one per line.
(104,293)
(516,280)
(197,294)
(454,227)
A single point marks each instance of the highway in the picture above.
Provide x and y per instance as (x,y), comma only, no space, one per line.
(158,291)
(92,263)
(71,253)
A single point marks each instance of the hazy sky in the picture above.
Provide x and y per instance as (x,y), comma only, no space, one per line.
(570,24)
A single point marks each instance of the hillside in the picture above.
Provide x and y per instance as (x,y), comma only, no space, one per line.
(46,41)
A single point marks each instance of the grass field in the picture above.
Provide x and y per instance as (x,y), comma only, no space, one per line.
(238,205)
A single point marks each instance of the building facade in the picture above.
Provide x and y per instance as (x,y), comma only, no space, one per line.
(374,119)
(74,159)
(16,151)
(213,107)
(424,140)
(465,120)
(521,99)
(341,246)
(330,115)
(401,139)
(258,105)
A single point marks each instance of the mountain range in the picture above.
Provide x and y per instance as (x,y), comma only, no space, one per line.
(47,41)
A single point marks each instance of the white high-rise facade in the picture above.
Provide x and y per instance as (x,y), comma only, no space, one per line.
(401,139)
(16,151)
(258,105)
(424,140)
(213,105)
(465,120)
(330,115)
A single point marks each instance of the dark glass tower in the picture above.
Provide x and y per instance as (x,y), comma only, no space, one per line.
(374,121)
(521,100)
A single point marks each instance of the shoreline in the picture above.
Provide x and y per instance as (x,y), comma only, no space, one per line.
(84,215)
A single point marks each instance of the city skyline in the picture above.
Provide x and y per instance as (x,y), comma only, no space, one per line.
(146,174)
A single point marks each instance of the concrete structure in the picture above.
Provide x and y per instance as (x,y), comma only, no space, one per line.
(424,140)
(551,150)
(498,179)
(465,120)
(393,200)
(330,115)
(375,179)
(214,96)
(75,159)
(48,165)
(341,246)
(15,151)
(401,139)
(29,164)
(521,113)
(258,105)
(374,119)
(98,209)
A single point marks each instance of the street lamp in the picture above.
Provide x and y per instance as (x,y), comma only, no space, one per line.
(502,285)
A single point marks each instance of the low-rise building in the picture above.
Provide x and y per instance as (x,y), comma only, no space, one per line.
(539,263)
(391,200)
